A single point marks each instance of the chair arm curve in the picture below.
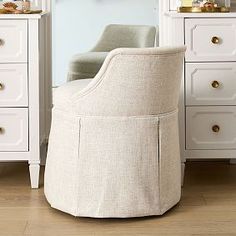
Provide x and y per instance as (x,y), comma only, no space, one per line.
(100,76)
(112,91)
(162,51)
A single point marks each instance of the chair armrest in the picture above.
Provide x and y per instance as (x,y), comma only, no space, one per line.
(131,82)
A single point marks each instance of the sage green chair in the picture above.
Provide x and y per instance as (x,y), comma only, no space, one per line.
(87,65)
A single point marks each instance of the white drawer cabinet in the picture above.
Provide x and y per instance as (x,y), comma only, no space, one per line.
(14,130)
(24,85)
(13,41)
(210,39)
(211,127)
(207,107)
(210,83)
(13,85)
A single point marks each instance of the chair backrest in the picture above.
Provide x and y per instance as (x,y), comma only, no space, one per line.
(134,82)
(126,36)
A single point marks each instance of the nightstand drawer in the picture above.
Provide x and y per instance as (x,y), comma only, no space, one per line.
(13,129)
(13,85)
(210,128)
(13,41)
(210,83)
(210,39)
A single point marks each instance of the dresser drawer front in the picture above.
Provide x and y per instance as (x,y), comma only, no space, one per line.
(13,85)
(210,39)
(13,41)
(211,128)
(13,130)
(210,83)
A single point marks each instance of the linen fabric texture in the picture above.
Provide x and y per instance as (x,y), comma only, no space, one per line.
(114,144)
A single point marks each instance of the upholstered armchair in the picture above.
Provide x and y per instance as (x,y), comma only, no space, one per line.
(114,144)
(87,65)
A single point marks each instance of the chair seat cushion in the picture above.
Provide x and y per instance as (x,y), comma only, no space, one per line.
(64,94)
(86,65)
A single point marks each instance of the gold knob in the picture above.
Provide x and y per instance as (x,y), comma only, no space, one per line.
(216,128)
(215,84)
(1,86)
(215,40)
(1,42)
(1,130)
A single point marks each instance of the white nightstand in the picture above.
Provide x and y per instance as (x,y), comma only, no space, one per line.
(24,90)
(208,94)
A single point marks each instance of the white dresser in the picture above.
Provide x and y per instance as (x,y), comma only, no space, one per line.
(24,85)
(208,94)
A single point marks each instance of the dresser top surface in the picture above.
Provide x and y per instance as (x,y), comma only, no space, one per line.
(176,14)
(22,16)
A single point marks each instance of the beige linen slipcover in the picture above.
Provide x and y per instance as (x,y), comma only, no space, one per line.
(114,145)
(86,65)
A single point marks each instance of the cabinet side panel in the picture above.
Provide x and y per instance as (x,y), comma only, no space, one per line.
(34,85)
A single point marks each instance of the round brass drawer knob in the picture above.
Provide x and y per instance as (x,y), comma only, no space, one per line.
(216,128)
(1,130)
(215,40)
(215,84)
(1,86)
(1,42)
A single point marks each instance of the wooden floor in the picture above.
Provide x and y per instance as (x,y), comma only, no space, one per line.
(208,207)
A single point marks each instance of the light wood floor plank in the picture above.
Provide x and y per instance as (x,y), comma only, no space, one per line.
(208,207)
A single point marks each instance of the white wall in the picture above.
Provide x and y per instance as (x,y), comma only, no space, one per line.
(77,25)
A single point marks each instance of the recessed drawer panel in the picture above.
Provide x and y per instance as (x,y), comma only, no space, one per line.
(211,128)
(210,39)
(210,84)
(13,85)
(13,130)
(13,41)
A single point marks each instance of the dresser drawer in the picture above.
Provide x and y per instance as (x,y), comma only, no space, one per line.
(13,129)
(210,83)
(13,85)
(210,39)
(13,41)
(211,128)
